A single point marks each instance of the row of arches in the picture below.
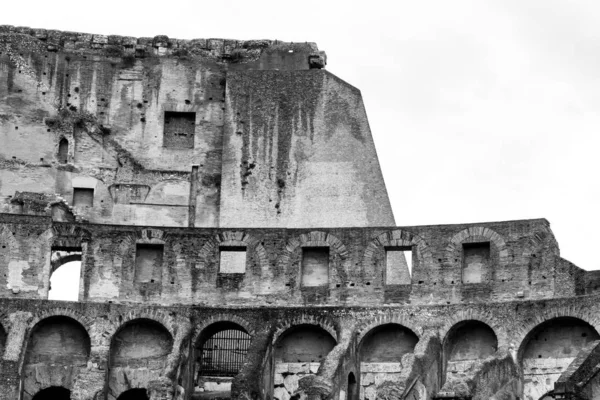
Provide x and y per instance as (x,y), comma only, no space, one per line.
(60,347)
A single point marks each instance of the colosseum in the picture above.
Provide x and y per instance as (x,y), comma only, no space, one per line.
(235,239)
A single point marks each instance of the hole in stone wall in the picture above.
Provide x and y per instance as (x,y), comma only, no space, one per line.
(134,394)
(221,351)
(83,197)
(179,130)
(148,262)
(315,266)
(232,260)
(476,261)
(63,151)
(398,265)
(65,275)
(53,393)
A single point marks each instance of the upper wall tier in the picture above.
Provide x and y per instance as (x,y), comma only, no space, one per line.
(150,131)
(501,261)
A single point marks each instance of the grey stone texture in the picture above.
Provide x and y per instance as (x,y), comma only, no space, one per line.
(226,203)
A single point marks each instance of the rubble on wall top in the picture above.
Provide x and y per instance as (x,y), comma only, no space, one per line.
(226,50)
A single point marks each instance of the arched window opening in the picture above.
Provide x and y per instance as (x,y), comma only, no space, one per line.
(381,352)
(299,351)
(549,349)
(53,393)
(220,354)
(467,343)
(63,151)
(60,346)
(65,275)
(138,354)
(134,394)
(352,393)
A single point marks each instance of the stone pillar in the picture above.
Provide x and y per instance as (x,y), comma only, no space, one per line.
(15,345)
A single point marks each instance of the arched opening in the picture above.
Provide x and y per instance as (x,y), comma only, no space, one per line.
(299,352)
(53,393)
(58,348)
(547,396)
(134,394)
(548,350)
(352,392)
(65,274)
(466,343)
(220,354)
(138,355)
(63,151)
(381,352)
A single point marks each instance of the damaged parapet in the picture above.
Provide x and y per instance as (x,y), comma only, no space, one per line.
(113,46)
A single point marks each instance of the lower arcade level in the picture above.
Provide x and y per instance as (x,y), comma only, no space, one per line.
(533,350)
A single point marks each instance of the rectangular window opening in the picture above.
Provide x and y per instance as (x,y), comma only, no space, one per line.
(179,130)
(83,197)
(315,266)
(398,265)
(65,273)
(232,260)
(476,260)
(148,263)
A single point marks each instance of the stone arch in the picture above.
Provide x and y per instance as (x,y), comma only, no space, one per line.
(476,233)
(466,343)
(63,151)
(521,330)
(548,349)
(85,321)
(158,316)
(234,239)
(398,319)
(139,351)
(289,260)
(387,343)
(310,342)
(397,238)
(220,349)
(322,322)
(482,316)
(486,261)
(226,318)
(57,350)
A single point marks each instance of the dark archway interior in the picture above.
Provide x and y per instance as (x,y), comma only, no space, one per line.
(387,343)
(53,393)
(304,343)
(221,350)
(352,393)
(558,338)
(63,151)
(134,394)
(470,340)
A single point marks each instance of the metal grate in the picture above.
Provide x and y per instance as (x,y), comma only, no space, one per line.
(223,354)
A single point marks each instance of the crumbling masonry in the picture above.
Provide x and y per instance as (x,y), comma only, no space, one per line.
(236,240)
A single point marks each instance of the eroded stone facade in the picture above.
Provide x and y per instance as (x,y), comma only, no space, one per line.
(226,204)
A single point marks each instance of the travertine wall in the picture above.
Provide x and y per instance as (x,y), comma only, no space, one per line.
(154,126)
(525,261)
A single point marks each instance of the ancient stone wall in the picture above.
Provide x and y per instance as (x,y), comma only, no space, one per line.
(183,266)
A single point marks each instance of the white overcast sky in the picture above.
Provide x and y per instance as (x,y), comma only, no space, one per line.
(481,110)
